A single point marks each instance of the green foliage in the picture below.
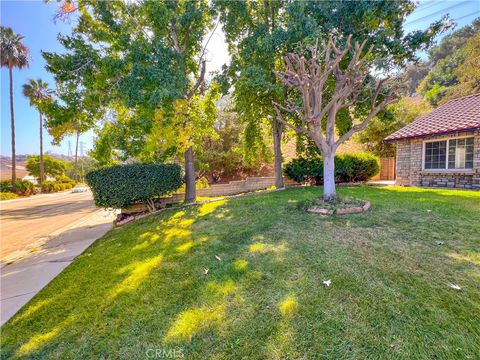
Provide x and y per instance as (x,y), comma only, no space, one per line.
(259,34)
(7,196)
(446,70)
(53,167)
(348,168)
(38,93)
(13,53)
(124,185)
(393,118)
(222,154)
(305,170)
(6,185)
(356,167)
(52,186)
(23,187)
(128,63)
(467,72)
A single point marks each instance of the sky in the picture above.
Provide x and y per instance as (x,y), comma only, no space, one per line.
(34,20)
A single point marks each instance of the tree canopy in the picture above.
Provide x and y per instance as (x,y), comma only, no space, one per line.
(259,34)
(393,118)
(142,63)
(445,61)
(53,167)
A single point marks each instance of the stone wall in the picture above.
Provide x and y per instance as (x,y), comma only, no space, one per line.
(403,163)
(410,172)
(241,186)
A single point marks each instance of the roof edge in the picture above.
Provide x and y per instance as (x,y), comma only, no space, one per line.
(431,134)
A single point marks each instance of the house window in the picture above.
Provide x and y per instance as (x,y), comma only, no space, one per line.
(449,154)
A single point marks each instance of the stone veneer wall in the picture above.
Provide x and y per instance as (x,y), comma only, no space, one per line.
(409,166)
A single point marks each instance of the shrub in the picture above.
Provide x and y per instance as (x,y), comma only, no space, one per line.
(122,186)
(48,186)
(201,183)
(24,187)
(7,196)
(356,167)
(305,170)
(348,168)
(6,185)
(64,179)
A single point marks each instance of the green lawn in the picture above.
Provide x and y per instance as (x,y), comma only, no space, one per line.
(143,286)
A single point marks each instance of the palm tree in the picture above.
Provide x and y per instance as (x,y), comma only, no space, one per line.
(39,94)
(13,53)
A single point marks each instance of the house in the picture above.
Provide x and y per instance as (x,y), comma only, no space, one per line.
(442,148)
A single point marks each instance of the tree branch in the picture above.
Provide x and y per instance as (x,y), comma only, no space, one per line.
(200,80)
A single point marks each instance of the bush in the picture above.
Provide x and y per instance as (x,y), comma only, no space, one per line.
(305,170)
(7,196)
(48,186)
(52,186)
(24,187)
(64,179)
(6,186)
(348,168)
(356,167)
(122,186)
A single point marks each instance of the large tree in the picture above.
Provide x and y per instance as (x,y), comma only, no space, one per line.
(52,167)
(143,61)
(308,74)
(39,94)
(13,54)
(261,33)
(444,61)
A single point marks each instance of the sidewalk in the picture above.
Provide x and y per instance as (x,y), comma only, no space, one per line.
(26,276)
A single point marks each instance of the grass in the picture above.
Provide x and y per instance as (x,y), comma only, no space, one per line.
(243,279)
(335,204)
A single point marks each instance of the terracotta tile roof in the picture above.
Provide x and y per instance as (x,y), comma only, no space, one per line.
(454,116)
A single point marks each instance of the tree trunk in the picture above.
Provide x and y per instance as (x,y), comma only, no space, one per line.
(42,167)
(190,193)
(12,113)
(329,192)
(277,151)
(76,156)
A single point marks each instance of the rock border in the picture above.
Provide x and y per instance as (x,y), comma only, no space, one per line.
(341,211)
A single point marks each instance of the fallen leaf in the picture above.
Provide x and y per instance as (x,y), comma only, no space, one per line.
(218,258)
(205,271)
(439,242)
(429,211)
(327,282)
(454,286)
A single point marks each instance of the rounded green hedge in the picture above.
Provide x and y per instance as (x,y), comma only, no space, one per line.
(348,168)
(122,186)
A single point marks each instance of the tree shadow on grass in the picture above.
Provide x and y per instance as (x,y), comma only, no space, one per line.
(146,286)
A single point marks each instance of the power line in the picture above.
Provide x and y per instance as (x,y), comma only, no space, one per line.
(432,3)
(436,13)
(464,16)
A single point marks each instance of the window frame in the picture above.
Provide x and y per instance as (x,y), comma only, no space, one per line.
(446,169)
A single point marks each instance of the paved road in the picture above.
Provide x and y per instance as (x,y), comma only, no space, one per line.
(25,221)
(41,236)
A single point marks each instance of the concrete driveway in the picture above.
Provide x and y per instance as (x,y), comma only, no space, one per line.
(40,236)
